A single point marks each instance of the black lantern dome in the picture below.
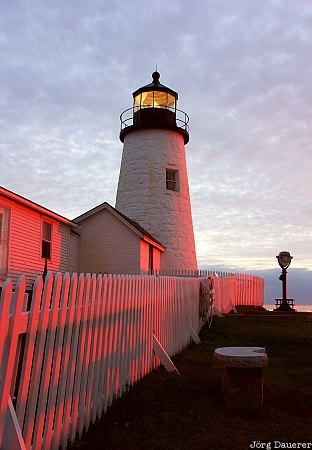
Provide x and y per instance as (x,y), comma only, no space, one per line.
(154,106)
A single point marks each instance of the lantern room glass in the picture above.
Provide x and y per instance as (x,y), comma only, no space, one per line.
(154,99)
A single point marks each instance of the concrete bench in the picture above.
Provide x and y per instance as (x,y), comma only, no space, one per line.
(242,382)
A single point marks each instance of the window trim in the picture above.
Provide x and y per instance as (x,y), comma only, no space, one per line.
(150,258)
(5,237)
(172,184)
(45,241)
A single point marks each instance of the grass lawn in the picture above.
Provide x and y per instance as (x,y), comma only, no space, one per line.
(174,412)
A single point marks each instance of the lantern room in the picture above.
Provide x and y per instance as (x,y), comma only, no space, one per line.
(154,106)
(155,95)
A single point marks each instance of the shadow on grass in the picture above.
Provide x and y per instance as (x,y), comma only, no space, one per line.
(187,412)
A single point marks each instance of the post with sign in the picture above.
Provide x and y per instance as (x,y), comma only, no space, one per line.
(284,304)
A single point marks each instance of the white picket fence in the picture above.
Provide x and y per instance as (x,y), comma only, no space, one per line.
(237,289)
(84,341)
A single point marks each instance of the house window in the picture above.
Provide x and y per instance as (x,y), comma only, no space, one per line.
(1,222)
(4,238)
(172,180)
(150,258)
(46,240)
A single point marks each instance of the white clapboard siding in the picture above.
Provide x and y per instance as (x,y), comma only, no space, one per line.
(24,254)
(105,241)
(87,339)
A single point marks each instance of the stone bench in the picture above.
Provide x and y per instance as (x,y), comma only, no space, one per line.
(242,382)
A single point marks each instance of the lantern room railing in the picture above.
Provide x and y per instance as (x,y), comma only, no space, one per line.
(126,117)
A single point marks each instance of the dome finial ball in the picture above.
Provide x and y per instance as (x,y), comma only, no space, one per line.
(156,76)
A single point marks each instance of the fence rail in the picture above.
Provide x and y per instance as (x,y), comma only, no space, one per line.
(83,340)
(190,273)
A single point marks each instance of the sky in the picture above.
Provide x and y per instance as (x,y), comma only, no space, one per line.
(242,69)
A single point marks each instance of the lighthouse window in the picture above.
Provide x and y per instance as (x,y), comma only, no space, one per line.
(172,180)
(154,99)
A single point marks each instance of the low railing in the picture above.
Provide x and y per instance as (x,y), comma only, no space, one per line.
(191,273)
(289,301)
(126,118)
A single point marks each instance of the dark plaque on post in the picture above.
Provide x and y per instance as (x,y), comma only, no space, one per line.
(284,304)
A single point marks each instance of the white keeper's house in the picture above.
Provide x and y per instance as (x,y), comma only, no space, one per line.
(30,235)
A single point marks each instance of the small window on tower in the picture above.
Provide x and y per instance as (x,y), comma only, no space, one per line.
(172,180)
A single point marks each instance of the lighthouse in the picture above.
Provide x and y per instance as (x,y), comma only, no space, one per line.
(153,187)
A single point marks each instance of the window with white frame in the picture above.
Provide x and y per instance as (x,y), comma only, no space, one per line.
(46,243)
(4,238)
(172,180)
(150,258)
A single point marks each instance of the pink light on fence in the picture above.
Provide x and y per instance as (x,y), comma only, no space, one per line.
(88,339)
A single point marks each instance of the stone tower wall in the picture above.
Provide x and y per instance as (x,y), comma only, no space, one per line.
(142,193)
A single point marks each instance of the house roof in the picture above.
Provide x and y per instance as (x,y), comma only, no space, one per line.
(134,226)
(35,206)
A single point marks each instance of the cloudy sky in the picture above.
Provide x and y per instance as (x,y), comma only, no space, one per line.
(243,71)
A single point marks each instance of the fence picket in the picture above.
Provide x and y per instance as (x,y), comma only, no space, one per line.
(102,375)
(125,353)
(114,380)
(80,379)
(84,422)
(5,385)
(35,380)
(5,302)
(97,349)
(29,350)
(94,329)
(67,316)
(51,367)
(71,414)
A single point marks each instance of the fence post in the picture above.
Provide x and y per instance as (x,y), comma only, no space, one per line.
(5,385)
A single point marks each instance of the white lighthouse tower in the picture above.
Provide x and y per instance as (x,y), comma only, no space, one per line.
(153,185)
